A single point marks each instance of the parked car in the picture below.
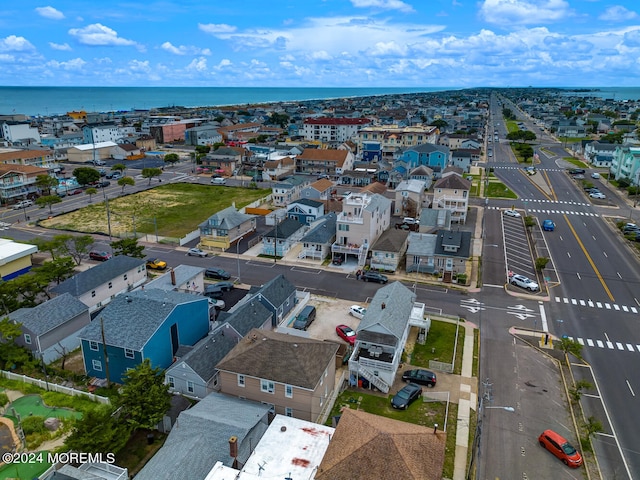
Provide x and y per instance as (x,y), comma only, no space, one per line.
(357,311)
(102,172)
(196,252)
(305,318)
(524,282)
(104,183)
(420,376)
(99,256)
(578,177)
(217,273)
(338,259)
(213,291)
(219,181)
(98,162)
(630,228)
(114,175)
(577,171)
(219,304)
(560,447)
(406,396)
(75,191)
(598,195)
(23,204)
(512,213)
(595,175)
(548,226)
(530,170)
(156,264)
(369,276)
(223,286)
(346,333)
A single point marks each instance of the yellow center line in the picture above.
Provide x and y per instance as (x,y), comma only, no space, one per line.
(528,177)
(553,193)
(593,265)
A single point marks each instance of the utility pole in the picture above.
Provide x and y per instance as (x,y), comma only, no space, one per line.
(104,350)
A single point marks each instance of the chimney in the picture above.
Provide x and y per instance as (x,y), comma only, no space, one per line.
(173,277)
(383,306)
(233,447)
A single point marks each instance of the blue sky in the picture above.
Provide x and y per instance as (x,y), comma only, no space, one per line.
(320,43)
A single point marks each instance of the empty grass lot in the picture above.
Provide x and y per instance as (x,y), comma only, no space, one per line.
(174,210)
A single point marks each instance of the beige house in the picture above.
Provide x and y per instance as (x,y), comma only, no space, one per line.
(328,161)
(410,198)
(99,285)
(451,192)
(393,137)
(293,375)
(363,219)
(281,167)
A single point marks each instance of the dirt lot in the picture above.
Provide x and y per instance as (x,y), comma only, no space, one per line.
(330,313)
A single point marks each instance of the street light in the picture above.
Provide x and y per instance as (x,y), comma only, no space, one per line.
(508,409)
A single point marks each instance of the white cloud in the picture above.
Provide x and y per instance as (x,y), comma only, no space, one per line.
(140,66)
(215,29)
(320,55)
(60,46)
(50,12)
(617,13)
(383,4)
(15,44)
(224,63)
(524,12)
(74,64)
(98,34)
(184,50)
(198,64)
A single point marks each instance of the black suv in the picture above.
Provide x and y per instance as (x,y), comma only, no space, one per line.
(369,276)
(217,273)
(577,171)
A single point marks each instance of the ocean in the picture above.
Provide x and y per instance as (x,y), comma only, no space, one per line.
(33,101)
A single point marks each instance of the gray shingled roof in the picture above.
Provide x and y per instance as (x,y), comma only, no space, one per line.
(50,314)
(306,201)
(422,244)
(453,182)
(88,280)
(248,316)
(379,322)
(276,290)
(462,240)
(226,219)
(391,240)
(183,273)
(378,202)
(428,148)
(205,355)
(200,438)
(323,231)
(131,319)
(285,229)
(297,361)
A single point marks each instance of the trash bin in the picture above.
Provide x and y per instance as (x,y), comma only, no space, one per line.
(150,439)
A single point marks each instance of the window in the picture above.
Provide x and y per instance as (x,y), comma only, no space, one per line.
(97,365)
(27,338)
(93,293)
(93,346)
(288,411)
(267,386)
(171,381)
(288,391)
(241,380)
(190,388)
(128,353)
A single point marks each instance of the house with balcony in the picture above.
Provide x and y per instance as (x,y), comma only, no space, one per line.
(363,219)
(225,227)
(100,285)
(278,168)
(382,334)
(436,157)
(318,190)
(202,135)
(445,252)
(410,198)
(389,138)
(34,158)
(293,375)
(451,192)
(226,160)
(283,237)
(18,182)
(332,129)
(464,158)
(327,161)
(626,163)
(316,243)
(422,173)
(388,250)
(288,190)
(600,154)
(306,211)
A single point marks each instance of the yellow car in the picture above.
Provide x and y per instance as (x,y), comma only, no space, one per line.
(156,264)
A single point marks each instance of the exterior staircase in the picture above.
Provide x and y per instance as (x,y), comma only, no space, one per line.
(375,380)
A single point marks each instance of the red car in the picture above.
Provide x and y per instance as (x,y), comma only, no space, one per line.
(346,333)
(561,448)
(99,256)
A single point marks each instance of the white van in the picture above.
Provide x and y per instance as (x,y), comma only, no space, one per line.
(219,181)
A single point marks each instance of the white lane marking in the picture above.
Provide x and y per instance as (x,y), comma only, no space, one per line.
(543,317)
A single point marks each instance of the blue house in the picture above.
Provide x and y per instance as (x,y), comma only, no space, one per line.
(435,157)
(305,210)
(142,324)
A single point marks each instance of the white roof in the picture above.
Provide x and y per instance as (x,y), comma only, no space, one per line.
(289,448)
(90,146)
(10,250)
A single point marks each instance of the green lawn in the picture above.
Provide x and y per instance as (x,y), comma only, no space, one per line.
(439,345)
(174,210)
(25,471)
(576,162)
(499,190)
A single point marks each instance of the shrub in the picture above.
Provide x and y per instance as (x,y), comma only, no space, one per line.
(4,399)
(33,424)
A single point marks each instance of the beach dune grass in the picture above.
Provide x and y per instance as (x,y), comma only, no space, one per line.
(174,210)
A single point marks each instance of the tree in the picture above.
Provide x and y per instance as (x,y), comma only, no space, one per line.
(46,182)
(98,431)
(48,200)
(90,191)
(203,149)
(11,354)
(144,397)
(86,175)
(75,246)
(119,167)
(280,119)
(171,158)
(576,392)
(440,123)
(541,262)
(593,426)
(150,173)
(128,247)
(56,270)
(571,346)
(124,181)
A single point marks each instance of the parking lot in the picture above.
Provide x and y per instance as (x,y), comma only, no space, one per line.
(516,247)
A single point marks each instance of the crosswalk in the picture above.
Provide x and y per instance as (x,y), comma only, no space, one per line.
(560,202)
(506,167)
(588,342)
(549,211)
(614,307)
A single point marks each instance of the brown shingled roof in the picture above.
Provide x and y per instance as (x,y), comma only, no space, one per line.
(370,446)
(327,155)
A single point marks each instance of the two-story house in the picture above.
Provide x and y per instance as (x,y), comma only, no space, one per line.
(99,285)
(316,243)
(283,237)
(388,250)
(451,192)
(305,210)
(599,154)
(259,368)
(626,163)
(328,161)
(226,160)
(436,157)
(278,168)
(278,296)
(445,252)
(318,190)
(363,219)
(144,324)
(464,158)
(288,190)
(226,227)
(382,334)
(18,182)
(410,198)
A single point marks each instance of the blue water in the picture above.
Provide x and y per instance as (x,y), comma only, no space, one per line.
(59,100)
